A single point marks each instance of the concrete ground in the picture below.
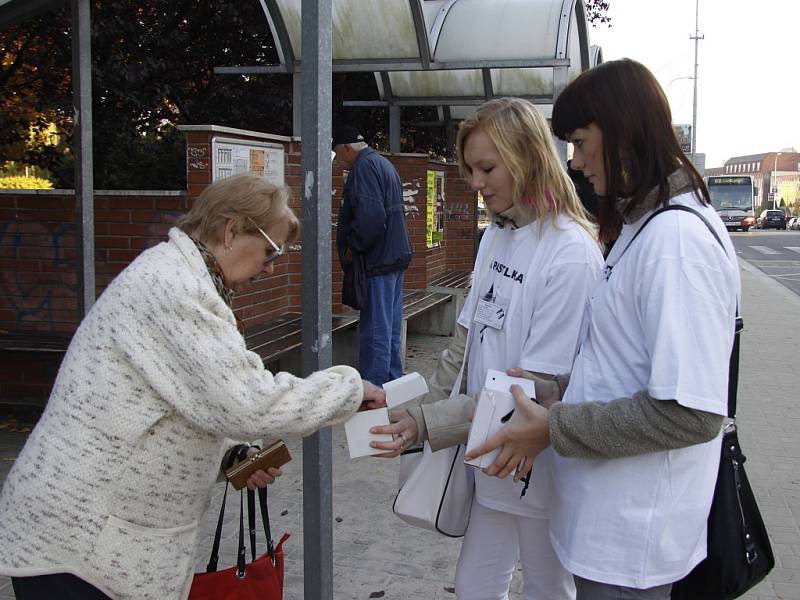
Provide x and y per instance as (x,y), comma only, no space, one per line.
(378,556)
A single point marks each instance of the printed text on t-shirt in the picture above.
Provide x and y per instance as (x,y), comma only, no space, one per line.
(505,271)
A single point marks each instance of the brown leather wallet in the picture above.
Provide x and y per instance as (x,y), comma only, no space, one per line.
(274,455)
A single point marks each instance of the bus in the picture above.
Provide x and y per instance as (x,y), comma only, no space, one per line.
(733,198)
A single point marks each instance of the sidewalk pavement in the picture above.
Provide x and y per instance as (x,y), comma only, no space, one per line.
(378,556)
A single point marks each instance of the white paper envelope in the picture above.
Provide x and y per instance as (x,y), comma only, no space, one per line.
(358,435)
(405,388)
(501,382)
(492,406)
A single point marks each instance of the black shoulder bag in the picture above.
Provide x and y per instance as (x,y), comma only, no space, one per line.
(355,288)
(739,554)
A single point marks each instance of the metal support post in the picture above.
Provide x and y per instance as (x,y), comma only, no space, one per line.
(696,37)
(316,81)
(84,177)
(297,104)
(394,128)
(560,79)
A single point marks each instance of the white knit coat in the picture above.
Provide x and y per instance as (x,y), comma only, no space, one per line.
(156,382)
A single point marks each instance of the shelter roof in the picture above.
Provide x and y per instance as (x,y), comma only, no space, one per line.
(445,52)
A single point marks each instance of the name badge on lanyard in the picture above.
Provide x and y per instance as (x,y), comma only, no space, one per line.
(492,312)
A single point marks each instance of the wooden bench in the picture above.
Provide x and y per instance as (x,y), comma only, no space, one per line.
(31,360)
(456,283)
(427,312)
(279,341)
(34,341)
(451,281)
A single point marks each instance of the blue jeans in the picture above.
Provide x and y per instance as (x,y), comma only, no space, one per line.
(380,328)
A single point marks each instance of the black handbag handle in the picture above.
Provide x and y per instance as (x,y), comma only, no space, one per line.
(241,554)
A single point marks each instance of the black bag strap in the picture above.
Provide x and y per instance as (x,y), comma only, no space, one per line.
(262,499)
(251,521)
(241,555)
(235,454)
(211,567)
(733,364)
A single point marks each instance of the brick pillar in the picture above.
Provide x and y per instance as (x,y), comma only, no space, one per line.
(198,162)
(461,221)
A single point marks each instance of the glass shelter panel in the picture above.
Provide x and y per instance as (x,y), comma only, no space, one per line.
(523,82)
(436,83)
(362,29)
(512,29)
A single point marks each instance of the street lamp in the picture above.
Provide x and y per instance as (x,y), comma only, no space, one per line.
(666,93)
(773,181)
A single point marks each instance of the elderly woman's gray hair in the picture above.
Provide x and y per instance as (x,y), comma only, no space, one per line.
(248,198)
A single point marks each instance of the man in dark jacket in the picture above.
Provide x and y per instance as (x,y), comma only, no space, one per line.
(372,228)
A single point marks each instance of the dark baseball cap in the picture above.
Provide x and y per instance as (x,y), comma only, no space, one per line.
(346,134)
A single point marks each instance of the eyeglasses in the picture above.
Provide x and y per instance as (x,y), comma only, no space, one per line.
(278,250)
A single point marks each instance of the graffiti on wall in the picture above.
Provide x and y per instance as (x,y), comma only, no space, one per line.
(31,294)
(29,299)
(410,191)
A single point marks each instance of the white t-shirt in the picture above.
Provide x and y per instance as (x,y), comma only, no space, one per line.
(663,321)
(541,279)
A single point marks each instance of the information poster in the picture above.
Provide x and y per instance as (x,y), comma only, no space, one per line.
(434,231)
(231,157)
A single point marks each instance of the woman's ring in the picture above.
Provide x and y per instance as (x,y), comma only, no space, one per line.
(402,437)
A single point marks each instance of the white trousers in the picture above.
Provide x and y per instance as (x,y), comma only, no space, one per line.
(493,544)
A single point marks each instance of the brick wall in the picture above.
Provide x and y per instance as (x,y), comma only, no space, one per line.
(39,250)
(39,255)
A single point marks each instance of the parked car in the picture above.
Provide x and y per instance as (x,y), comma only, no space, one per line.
(772,219)
(748,223)
(793,224)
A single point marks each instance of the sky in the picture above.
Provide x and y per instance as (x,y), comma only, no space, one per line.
(748,74)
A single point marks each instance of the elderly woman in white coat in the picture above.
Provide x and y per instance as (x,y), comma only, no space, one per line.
(105,498)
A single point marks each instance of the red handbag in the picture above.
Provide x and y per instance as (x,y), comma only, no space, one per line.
(261,579)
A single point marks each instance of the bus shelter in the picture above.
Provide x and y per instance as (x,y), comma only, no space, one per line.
(452,54)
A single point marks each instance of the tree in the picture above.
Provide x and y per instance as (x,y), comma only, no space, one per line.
(35,92)
(153,69)
(597,12)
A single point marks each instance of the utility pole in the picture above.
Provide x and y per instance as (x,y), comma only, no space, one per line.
(696,37)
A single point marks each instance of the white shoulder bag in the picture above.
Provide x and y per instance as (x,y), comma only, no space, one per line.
(437,488)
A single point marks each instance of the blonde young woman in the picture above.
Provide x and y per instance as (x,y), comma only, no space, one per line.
(536,263)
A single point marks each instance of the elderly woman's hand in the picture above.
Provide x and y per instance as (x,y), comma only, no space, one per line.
(260,478)
(374,397)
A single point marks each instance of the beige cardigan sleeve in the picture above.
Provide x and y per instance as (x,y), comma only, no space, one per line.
(442,420)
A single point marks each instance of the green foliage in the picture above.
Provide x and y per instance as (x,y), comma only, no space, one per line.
(21,182)
(597,12)
(153,69)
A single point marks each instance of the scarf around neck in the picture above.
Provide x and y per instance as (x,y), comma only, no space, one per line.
(679,182)
(512,217)
(215,271)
